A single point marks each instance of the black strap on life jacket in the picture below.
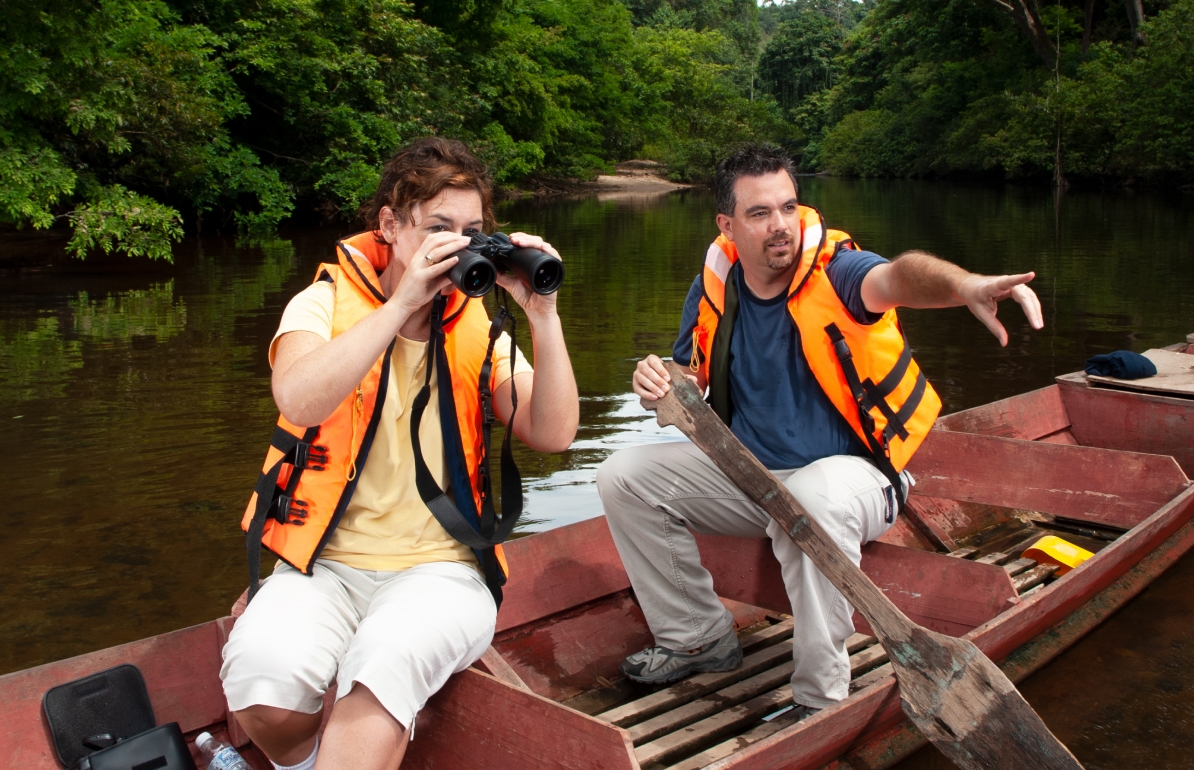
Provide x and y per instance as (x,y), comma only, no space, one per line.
(458,514)
(274,502)
(868,396)
(719,351)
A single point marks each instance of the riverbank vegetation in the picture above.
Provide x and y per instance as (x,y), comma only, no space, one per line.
(130,120)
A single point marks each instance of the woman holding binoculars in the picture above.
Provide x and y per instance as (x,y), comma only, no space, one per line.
(387,377)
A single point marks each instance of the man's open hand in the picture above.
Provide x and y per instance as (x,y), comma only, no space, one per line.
(982,294)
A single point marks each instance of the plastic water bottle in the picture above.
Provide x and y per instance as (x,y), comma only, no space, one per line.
(219,755)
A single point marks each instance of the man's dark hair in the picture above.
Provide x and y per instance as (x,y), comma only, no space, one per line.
(749,160)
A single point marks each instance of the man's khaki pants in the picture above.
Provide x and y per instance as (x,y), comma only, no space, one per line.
(653,495)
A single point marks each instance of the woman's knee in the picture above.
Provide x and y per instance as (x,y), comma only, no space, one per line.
(259,718)
(261,668)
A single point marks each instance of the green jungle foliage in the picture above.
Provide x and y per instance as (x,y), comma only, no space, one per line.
(935,87)
(127,120)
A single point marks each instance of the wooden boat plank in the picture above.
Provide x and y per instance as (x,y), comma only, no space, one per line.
(1033,577)
(711,728)
(867,659)
(737,743)
(1013,568)
(947,595)
(1103,486)
(881,750)
(475,716)
(871,677)
(864,659)
(712,703)
(1137,422)
(1028,416)
(959,519)
(764,650)
(575,565)
(964,553)
(993,558)
(181,671)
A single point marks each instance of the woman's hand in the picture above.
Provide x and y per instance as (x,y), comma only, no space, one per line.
(535,305)
(427,273)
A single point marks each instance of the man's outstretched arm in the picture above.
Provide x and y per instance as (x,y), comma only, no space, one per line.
(920,280)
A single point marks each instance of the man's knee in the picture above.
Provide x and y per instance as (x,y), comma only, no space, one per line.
(614,472)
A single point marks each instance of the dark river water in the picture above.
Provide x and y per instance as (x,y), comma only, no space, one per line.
(136,402)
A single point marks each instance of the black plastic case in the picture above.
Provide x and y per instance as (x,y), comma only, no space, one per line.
(105,721)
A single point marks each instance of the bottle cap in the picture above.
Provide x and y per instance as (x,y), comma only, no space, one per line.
(202,739)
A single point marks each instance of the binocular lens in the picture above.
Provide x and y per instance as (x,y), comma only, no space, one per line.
(475,280)
(549,274)
(473,274)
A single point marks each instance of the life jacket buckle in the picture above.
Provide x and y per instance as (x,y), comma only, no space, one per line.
(286,508)
(487,414)
(868,421)
(310,457)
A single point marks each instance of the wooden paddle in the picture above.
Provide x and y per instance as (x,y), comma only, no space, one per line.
(952,692)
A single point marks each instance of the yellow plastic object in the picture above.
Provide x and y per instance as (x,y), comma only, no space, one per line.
(1054,550)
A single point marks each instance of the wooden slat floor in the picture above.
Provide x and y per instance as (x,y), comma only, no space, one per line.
(707,717)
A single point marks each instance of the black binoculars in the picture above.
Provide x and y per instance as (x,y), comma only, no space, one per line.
(476,272)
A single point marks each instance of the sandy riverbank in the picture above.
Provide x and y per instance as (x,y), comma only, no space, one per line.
(632,179)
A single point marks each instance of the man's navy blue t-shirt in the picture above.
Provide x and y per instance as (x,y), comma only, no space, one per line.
(779,411)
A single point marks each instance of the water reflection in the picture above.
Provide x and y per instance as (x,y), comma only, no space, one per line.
(138,316)
(137,407)
(567,496)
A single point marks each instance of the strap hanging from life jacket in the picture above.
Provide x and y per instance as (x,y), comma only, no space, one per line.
(479,532)
(869,396)
(276,503)
(719,350)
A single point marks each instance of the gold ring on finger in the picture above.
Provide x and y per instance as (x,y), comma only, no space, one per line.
(430,261)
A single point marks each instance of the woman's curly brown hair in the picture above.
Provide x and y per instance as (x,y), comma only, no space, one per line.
(420,171)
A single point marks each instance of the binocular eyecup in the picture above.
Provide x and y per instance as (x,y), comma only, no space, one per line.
(476,272)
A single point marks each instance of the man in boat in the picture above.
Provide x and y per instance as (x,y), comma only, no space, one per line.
(371,592)
(792,328)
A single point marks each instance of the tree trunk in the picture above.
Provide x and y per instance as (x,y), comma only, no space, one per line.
(1090,5)
(1136,19)
(1024,13)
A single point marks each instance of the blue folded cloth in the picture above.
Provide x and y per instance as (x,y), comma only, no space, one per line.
(1122,364)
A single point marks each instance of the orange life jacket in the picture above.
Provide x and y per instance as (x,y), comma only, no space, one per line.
(310,474)
(866,370)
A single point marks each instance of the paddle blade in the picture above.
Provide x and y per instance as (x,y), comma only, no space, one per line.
(969,709)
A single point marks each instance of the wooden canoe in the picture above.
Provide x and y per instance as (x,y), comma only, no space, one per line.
(1106,469)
